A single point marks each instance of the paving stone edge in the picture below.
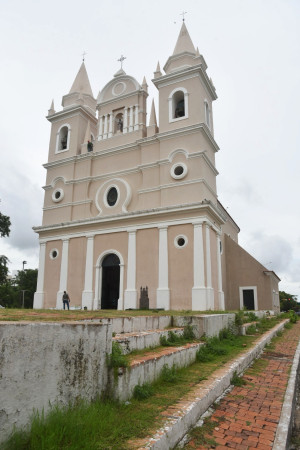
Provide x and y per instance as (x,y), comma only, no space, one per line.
(285,425)
(174,429)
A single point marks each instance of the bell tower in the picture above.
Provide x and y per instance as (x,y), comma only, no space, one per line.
(69,126)
(185,91)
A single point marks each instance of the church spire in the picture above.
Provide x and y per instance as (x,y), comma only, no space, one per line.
(81,83)
(152,128)
(184,42)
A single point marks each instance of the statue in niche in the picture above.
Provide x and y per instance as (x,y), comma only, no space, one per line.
(120,125)
(144,298)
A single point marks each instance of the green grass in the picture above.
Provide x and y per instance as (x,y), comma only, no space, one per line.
(202,436)
(174,339)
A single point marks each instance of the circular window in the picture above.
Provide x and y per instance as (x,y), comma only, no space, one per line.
(54,253)
(180,241)
(58,195)
(178,171)
(112,196)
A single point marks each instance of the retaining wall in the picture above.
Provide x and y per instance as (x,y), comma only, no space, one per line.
(46,363)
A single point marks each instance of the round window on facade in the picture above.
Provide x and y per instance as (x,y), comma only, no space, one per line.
(178,171)
(180,241)
(112,196)
(58,195)
(54,253)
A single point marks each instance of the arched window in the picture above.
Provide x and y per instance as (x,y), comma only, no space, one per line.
(63,138)
(178,104)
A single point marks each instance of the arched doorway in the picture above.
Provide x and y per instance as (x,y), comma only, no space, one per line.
(110,281)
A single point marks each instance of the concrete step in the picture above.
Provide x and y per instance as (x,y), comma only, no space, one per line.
(147,368)
(143,339)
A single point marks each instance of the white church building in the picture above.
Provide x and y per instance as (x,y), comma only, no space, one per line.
(131,203)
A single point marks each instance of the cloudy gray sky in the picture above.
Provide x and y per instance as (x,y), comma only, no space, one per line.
(252,49)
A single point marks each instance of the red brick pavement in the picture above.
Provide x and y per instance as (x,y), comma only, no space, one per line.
(247,418)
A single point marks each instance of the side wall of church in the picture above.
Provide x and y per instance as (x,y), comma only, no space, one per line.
(245,271)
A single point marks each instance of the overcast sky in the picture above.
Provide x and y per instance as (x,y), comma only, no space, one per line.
(252,50)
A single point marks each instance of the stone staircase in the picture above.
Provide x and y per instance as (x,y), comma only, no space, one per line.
(139,333)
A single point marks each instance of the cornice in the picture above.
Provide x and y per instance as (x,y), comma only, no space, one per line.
(203,206)
(139,168)
(174,76)
(121,97)
(71,112)
(136,144)
(176,184)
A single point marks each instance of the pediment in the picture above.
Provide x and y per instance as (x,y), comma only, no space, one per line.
(118,87)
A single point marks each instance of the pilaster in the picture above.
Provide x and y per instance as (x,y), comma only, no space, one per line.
(220,289)
(210,291)
(38,302)
(87,294)
(130,295)
(199,289)
(163,291)
(63,274)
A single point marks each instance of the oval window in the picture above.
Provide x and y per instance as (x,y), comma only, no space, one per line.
(112,196)
(178,171)
(57,195)
(54,253)
(180,241)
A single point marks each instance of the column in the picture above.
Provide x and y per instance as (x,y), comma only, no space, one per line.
(100,134)
(163,291)
(220,289)
(87,294)
(210,291)
(105,127)
(131,118)
(130,296)
(38,302)
(125,122)
(63,274)
(110,131)
(199,289)
(136,117)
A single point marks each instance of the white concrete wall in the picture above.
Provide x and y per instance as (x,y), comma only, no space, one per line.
(46,363)
(209,324)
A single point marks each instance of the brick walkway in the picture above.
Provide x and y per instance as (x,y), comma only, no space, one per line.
(247,418)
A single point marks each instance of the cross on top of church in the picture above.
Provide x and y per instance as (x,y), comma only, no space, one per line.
(182,14)
(121,60)
(83,55)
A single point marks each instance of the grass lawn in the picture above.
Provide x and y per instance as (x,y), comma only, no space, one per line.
(51,315)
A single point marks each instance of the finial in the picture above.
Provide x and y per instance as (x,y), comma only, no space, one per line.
(83,55)
(182,14)
(121,60)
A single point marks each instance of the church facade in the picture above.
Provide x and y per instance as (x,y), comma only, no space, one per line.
(130,203)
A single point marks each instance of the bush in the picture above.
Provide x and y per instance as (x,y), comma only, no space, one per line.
(169,374)
(188,333)
(116,358)
(251,316)
(239,318)
(251,329)
(236,380)
(141,392)
(293,316)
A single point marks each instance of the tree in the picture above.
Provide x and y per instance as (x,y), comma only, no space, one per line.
(4,225)
(26,281)
(3,268)
(288,302)
(11,291)
(4,231)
